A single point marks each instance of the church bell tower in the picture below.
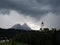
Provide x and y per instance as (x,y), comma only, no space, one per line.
(42,25)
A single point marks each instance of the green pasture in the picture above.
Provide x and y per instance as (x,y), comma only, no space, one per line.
(10,43)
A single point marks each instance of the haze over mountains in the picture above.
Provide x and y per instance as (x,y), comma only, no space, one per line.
(24,26)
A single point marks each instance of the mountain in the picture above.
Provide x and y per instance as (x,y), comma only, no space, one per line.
(17,26)
(24,26)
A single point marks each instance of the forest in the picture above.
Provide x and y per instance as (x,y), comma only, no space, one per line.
(31,37)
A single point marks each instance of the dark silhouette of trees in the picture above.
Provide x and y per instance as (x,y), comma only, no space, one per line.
(44,37)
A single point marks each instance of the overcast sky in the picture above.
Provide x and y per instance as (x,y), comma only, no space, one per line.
(32,12)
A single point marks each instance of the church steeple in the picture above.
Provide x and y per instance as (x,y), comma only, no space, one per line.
(42,25)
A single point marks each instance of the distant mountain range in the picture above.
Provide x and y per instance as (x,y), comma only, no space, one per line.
(24,26)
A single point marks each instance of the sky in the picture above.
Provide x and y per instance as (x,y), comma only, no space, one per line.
(32,12)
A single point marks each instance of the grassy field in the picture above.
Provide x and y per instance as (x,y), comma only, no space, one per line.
(9,43)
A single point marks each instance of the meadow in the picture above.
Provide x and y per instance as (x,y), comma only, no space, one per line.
(12,43)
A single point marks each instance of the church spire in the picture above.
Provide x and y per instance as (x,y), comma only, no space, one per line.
(42,25)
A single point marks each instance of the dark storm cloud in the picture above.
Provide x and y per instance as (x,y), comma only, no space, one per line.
(55,4)
(31,7)
(48,9)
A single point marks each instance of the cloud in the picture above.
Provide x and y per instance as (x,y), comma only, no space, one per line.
(32,8)
(36,9)
(50,20)
(7,21)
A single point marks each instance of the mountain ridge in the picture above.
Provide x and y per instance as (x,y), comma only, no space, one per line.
(19,26)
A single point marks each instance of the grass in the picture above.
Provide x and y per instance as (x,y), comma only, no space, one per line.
(10,43)
(21,44)
(5,43)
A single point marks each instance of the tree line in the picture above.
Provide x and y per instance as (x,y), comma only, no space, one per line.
(44,37)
